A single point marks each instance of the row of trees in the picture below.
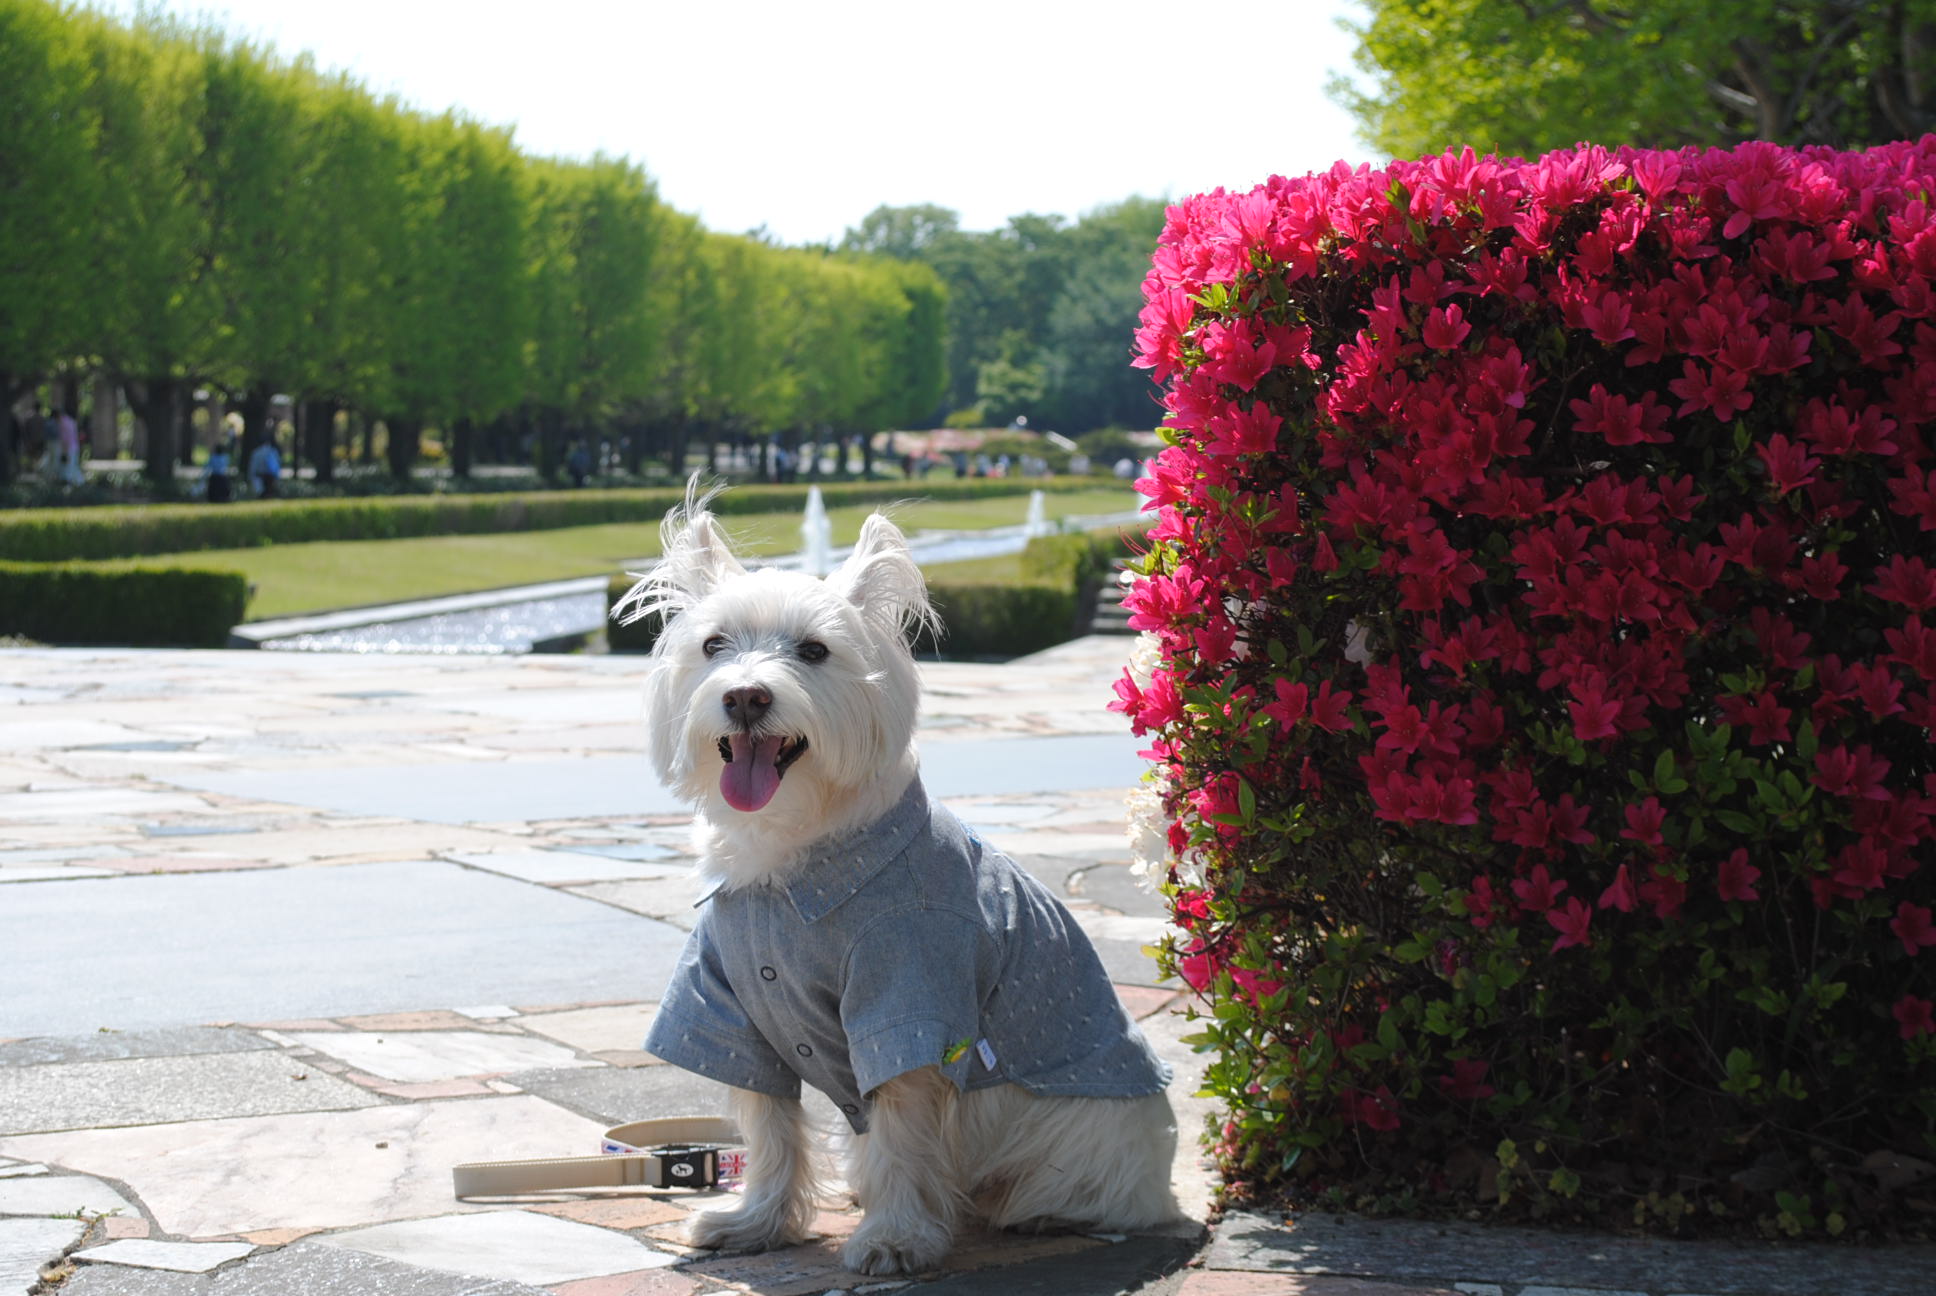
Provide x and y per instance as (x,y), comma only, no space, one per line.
(181,209)
(1038,311)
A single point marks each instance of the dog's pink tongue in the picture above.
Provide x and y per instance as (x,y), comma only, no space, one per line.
(750,779)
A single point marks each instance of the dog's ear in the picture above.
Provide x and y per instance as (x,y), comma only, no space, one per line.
(881,579)
(695,561)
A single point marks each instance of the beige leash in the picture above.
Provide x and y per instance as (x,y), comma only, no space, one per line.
(680,1152)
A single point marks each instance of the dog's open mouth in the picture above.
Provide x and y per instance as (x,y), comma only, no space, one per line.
(754,766)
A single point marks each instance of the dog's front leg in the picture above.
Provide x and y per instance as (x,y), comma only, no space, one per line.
(904,1172)
(777,1208)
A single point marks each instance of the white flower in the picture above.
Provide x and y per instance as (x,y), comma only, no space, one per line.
(1149,833)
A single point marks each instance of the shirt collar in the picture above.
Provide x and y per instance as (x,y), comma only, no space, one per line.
(834,870)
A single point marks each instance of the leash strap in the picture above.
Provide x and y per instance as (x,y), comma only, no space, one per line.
(681,1152)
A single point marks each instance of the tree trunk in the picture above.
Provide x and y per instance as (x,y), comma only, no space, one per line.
(551,442)
(461,433)
(678,440)
(254,408)
(867,457)
(632,448)
(368,456)
(12,389)
(319,437)
(155,404)
(401,451)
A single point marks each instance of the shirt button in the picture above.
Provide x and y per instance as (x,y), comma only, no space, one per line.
(768,974)
(850,1109)
(803,1050)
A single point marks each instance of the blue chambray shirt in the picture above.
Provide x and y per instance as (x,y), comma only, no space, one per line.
(883,953)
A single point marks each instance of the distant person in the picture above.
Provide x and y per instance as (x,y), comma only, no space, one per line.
(265,468)
(579,464)
(215,476)
(68,435)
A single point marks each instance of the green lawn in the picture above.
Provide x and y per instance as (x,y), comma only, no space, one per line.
(292,579)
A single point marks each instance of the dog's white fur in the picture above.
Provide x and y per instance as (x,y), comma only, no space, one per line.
(933,1157)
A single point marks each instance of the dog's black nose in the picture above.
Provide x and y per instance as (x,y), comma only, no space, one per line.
(746,705)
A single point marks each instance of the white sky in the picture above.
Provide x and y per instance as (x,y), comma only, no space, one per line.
(805,116)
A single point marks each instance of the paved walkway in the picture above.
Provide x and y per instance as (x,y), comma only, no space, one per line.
(283,937)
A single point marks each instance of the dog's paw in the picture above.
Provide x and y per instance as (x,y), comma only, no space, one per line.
(891,1249)
(739,1230)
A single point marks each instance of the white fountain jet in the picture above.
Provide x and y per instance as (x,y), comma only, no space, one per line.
(816,536)
(1038,523)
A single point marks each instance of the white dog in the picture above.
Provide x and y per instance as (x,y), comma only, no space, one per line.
(860,939)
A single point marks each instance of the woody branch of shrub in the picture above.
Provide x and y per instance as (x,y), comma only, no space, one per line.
(1542,686)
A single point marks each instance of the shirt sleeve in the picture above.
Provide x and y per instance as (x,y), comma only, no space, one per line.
(701,1027)
(911,997)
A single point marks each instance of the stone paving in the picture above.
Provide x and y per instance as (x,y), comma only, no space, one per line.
(284,937)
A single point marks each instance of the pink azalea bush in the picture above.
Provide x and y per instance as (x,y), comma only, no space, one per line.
(1544,597)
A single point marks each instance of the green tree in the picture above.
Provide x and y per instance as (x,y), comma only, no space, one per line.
(1088,381)
(152,281)
(48,159)
(595,336)
(1533,75)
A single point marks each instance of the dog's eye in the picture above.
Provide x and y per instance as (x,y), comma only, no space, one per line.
(812,650)
(714,646)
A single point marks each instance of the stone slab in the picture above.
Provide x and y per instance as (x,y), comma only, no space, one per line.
(281,944)
(508,1245)
(617,1095)
(103,1046)
(60,1195)
(418,1057)
(618,1028)
(218,1178)
(27,1244)
(1236,1282)
(306,1268)
(180,1257)
(148,1091)
(1448,1252)
(562,867)
(670,900)
(1126,1266)
(67,803)
(50,873)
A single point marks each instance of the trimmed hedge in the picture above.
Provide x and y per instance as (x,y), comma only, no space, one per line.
(979,618)
(60,535)
(1543,683)
(990,620)
(73,603)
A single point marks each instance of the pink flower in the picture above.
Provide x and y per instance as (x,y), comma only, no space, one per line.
(1253,986)
(1620,895)
(1466,1082)
(1537,891)
(1856,773)
(1737,877)
(1292,701)
(1790,466)
(1571,923)
(1445,328)
(1912,927)
(1915,1016)
(1908,581)
(1198,968)
(1644,821)
(1377,1110)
